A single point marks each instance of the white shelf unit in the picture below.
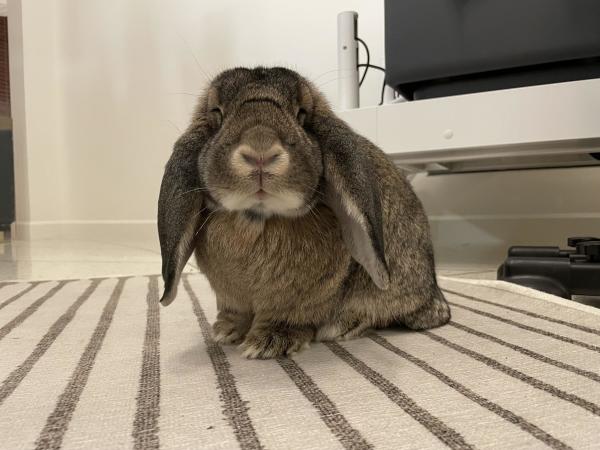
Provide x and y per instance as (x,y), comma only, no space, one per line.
(540,126)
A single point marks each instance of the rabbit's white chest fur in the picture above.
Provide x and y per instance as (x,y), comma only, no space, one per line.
(278,263)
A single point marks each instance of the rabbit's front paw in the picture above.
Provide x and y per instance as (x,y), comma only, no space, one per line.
(271,341)
(230,328)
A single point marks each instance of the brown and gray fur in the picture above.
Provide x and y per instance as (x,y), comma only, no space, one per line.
(335,243)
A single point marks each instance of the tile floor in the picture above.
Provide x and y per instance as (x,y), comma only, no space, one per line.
(54,259)
(72,258)
(50,259)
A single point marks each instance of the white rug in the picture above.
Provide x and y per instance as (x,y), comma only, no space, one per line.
(97,364)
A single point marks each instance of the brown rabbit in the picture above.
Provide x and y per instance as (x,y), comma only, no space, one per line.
(304,229)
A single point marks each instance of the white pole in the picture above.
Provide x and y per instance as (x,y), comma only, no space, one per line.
(347,60)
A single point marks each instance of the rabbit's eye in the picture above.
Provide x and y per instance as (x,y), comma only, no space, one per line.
(301,116)
(217,116)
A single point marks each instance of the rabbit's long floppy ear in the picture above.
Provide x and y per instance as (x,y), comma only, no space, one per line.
(351,191)
(179,207)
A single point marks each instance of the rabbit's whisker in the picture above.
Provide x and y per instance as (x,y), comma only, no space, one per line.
(199,189)
(202,71)
(323,74)
(314,213)
(204,223)
(199,212)
(174,125)
(331,81)
(312,189)
(183,93)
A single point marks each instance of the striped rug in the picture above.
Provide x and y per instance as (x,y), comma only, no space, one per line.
(97,364)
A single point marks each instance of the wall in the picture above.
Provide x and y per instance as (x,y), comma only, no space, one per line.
(476,217)
(101,89)
(107,87)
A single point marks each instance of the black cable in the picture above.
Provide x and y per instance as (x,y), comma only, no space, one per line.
(382,91)
(383,86)
(373,66)
(366,66)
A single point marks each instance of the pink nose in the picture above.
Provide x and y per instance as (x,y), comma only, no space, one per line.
(259,160)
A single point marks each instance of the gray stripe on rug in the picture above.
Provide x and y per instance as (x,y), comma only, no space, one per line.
(19,319)
(507,415)
(18,295)
(16,376)
(556,336)
(349,437)
(435,426)
(58,421)
(575,326)
(235,409)
(534,382)
(525,351)
(145,423)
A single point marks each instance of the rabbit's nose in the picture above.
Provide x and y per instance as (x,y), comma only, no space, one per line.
(260,160)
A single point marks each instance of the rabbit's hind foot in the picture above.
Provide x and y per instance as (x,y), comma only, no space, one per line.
(432,314)
(268,340)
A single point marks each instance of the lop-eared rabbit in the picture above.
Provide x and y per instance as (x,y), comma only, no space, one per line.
(304,229)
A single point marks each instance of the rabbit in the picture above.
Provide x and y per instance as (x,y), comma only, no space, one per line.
(305,230)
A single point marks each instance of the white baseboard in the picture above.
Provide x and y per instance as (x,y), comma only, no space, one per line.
(86,229)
